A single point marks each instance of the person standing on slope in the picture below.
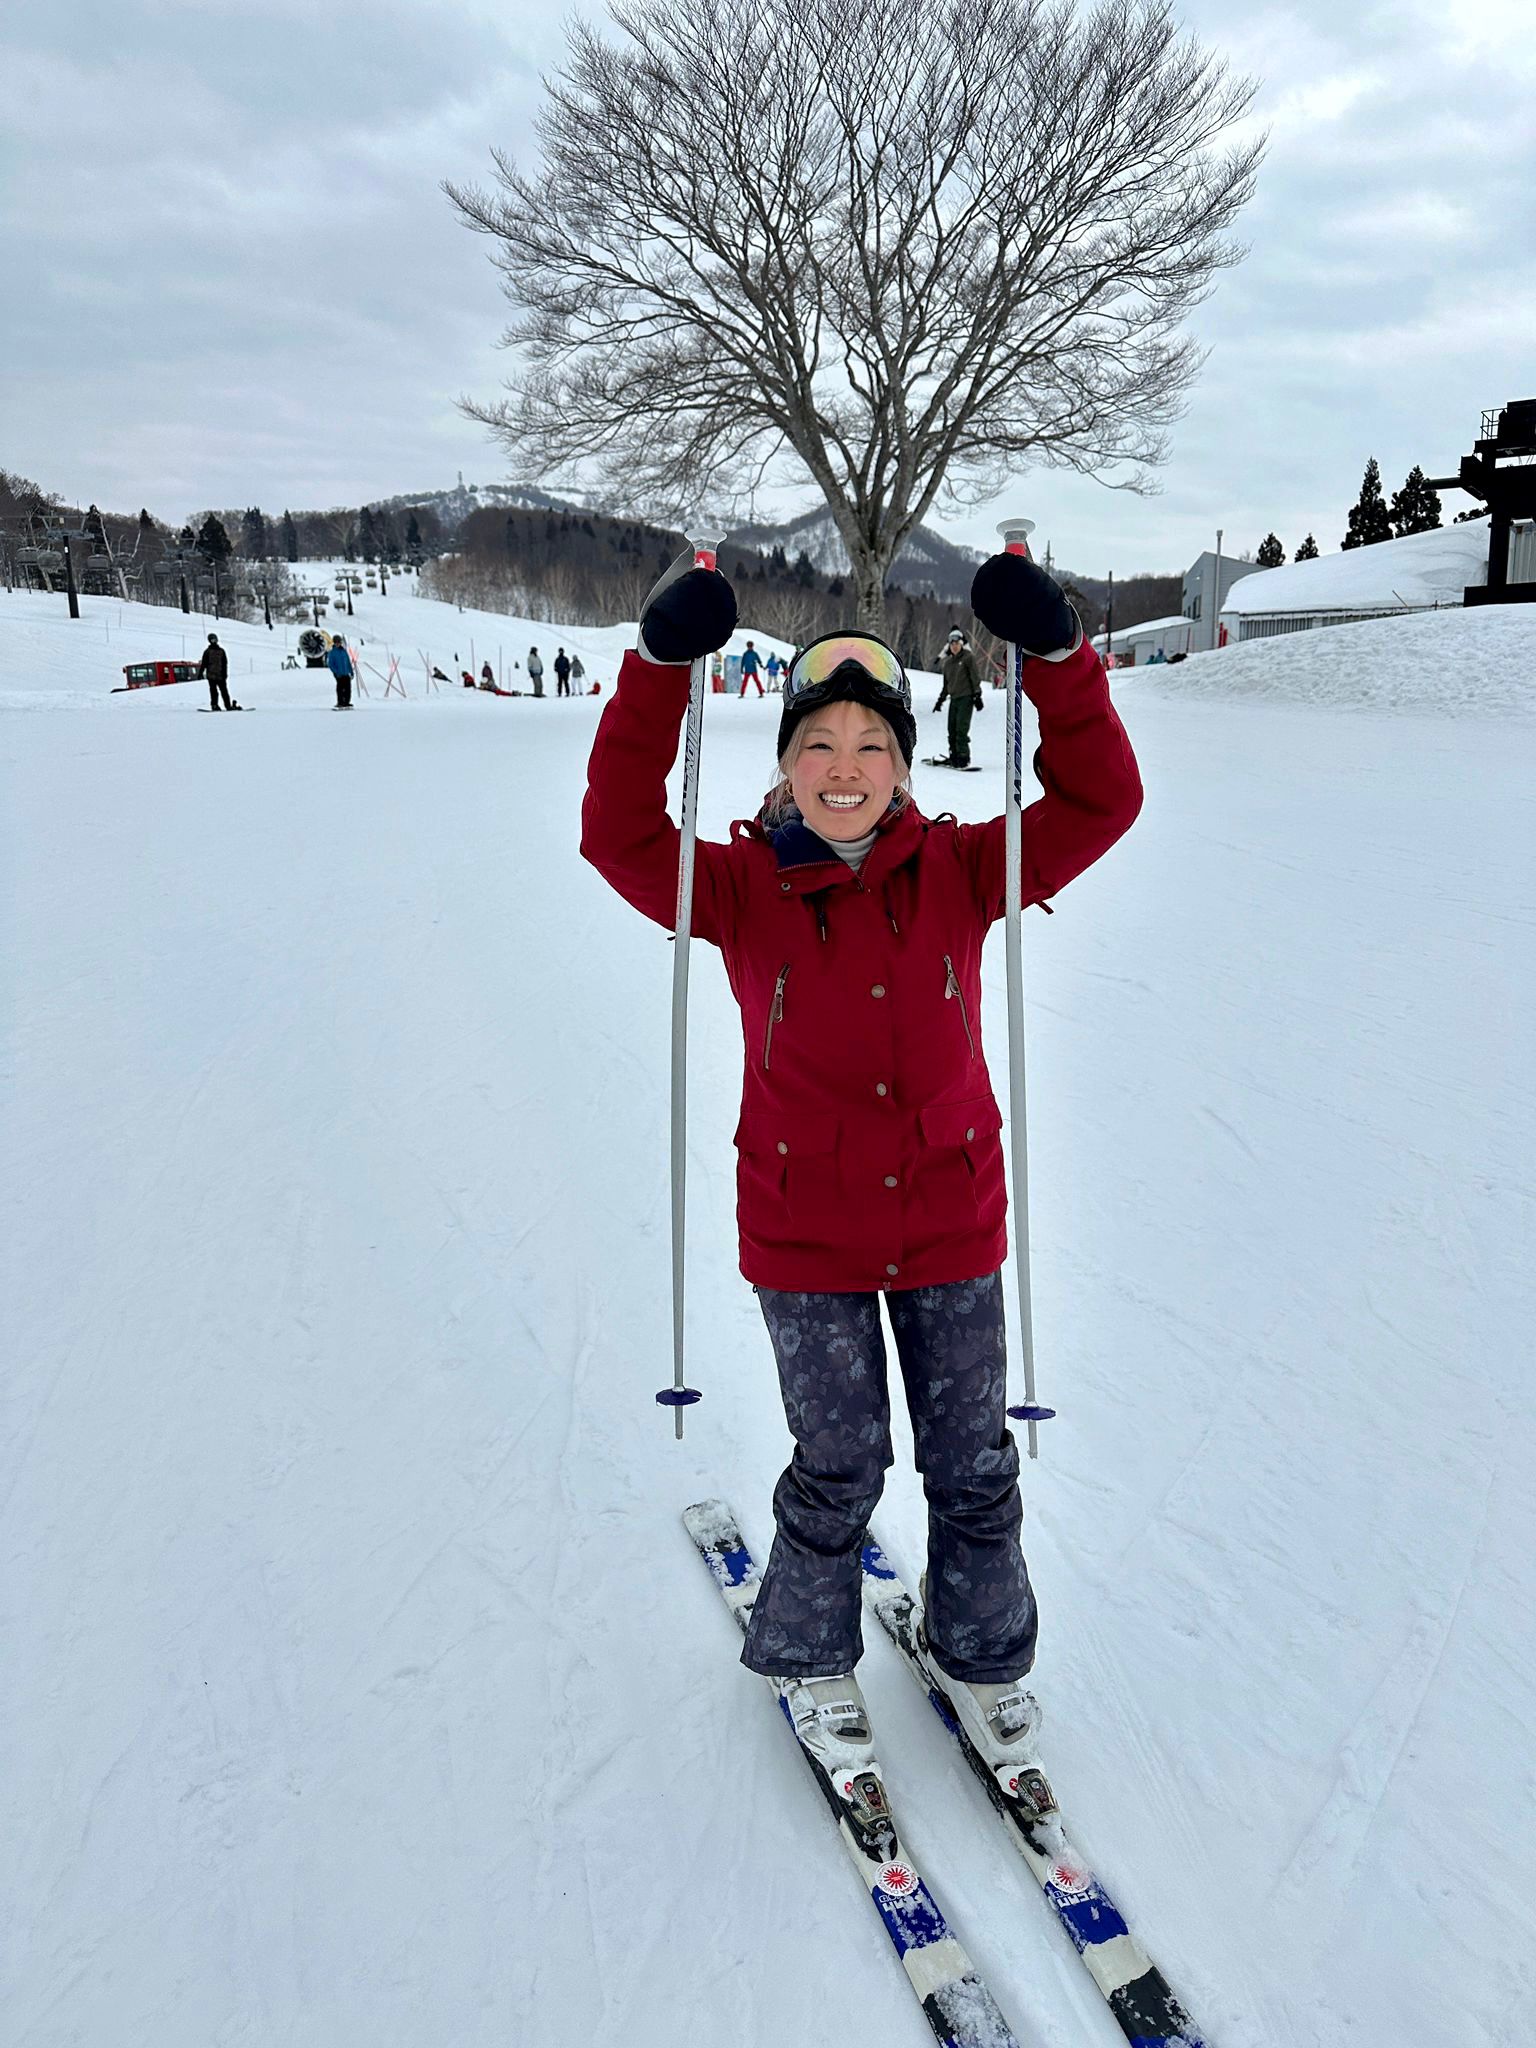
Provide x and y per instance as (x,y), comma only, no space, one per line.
(962,688)
(751,670)
(339,662)
(870,1161)
(215,666)
(536,671)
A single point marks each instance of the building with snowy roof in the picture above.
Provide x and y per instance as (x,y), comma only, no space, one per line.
(1420,572)
(1152,639)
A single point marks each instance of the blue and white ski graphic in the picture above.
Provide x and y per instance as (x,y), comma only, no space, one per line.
(957,2005)
(1134,1989)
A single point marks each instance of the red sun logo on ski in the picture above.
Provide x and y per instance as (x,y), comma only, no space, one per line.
(896,1880)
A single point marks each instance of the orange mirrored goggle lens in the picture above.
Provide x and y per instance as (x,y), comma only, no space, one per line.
(819,662)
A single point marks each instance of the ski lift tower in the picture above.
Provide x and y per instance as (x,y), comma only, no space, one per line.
(1501,472)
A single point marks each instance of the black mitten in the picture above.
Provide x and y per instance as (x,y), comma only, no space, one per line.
(1015,599)
(690,612)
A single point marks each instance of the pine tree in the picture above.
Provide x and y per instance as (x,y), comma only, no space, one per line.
(1307,552)
(213,542)
(290,537)
(1369,520)
(1270,554)
(413,547)
(367,535)
(253,534)
(149,538)
(1416,507)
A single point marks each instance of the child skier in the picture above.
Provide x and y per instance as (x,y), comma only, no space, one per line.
(870,1160)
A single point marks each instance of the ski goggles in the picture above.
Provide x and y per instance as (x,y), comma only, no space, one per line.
(815,666)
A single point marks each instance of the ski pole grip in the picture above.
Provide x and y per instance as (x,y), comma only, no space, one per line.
(706,548)
(1015,533)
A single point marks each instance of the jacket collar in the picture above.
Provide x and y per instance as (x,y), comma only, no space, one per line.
(806,862)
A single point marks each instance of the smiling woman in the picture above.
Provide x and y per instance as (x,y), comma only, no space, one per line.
(870,1160)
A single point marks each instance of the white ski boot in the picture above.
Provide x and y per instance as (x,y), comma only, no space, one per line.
(831,1725)
(831,1721)
(1001,1723)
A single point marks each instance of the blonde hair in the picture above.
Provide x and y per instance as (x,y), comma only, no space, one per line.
(779,803)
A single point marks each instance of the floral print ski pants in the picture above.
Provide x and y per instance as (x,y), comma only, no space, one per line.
(832,1372)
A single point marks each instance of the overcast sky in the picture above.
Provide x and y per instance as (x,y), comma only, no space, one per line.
(228,275)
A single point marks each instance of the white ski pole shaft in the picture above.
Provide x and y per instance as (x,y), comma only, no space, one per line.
(679,1395)
(1015,533)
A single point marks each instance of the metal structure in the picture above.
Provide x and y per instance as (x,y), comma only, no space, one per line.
(1501,474)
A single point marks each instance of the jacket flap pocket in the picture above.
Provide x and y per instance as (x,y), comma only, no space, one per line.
(769,1130)
(961,1123)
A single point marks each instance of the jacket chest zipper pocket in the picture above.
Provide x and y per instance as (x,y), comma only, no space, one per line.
(775,1012)
(953,989)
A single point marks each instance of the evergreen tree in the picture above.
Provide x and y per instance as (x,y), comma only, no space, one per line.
(1307,552)
(1416,507)
(213,542)
(367,534)
(253,534)
(149,537)
(1270,554)
(1369,520)
(290,538)
(413,547)
(1462,517)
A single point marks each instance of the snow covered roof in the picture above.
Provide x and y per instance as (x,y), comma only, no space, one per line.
(1153,626)
(1421,569)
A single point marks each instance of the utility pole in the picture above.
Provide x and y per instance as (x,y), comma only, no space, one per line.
(69,577)
(1216,600)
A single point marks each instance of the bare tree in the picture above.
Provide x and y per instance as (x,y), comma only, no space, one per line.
(899,248)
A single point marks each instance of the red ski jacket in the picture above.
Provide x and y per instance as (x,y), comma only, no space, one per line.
(869,1144)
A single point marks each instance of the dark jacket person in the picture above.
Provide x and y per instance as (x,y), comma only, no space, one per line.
(215,666)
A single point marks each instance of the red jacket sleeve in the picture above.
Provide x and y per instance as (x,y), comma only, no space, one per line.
(1092,786)
(625,830)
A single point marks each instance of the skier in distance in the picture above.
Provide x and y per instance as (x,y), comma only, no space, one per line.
(869,1152)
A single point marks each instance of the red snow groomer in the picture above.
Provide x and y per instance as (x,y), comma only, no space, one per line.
(150,675)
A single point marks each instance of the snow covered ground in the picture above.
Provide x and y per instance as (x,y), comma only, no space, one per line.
(361,1685)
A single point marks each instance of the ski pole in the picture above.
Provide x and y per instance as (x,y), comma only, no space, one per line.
(680,1396)
(1015,533)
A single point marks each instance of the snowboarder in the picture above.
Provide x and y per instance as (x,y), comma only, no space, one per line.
(339,662)
(751,670)
(962,687)
(215,666)
(870,1160)
(578,676)
(536,671)
(562,673)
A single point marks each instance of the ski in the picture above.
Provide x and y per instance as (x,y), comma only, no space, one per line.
(1132,1986)
(933,761)
(959,2009)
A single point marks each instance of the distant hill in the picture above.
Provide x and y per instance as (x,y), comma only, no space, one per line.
(928,566)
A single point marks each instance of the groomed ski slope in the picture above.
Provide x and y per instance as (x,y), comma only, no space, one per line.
(360,1683)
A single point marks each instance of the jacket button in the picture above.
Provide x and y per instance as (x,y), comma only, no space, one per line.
(970,1132)
(890,1180)
(878,989)
(892,1270)
(782,1146)
(881,1089)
